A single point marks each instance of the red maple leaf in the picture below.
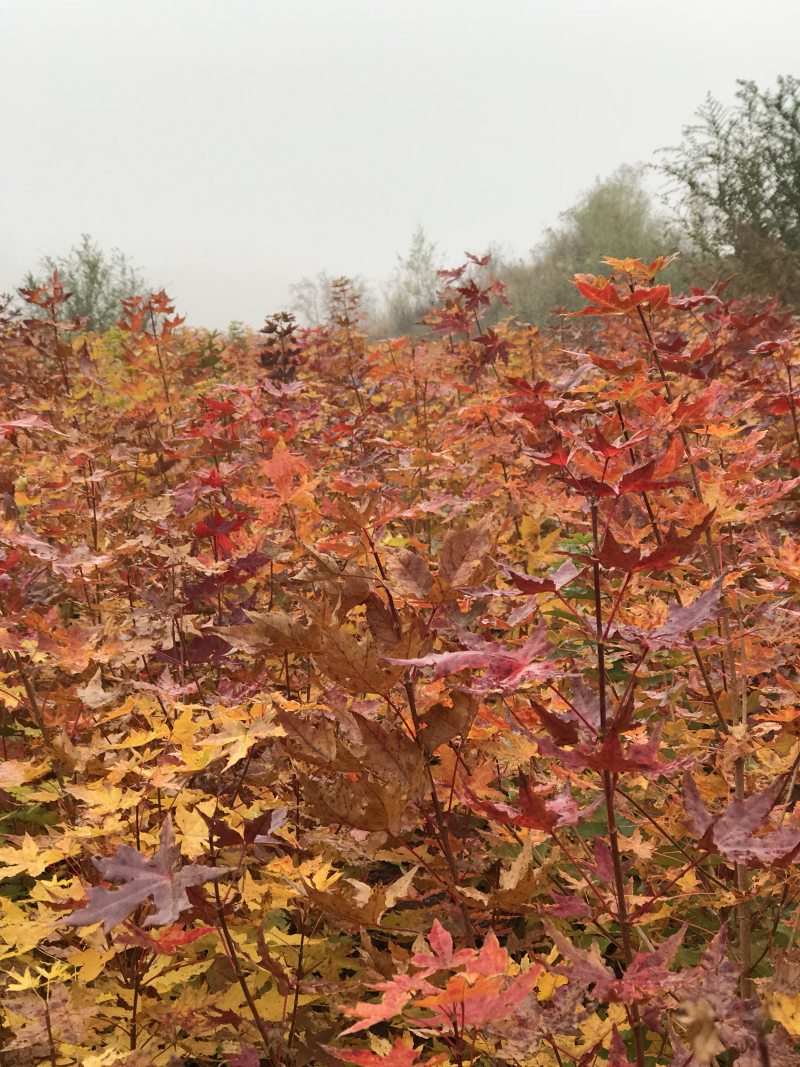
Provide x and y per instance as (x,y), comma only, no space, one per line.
(608,300)
(400,1055)
(533,811)
(609,755)
(443,957)
(613,555)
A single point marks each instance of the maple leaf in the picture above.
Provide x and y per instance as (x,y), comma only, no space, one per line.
(273,630)
(27,422)
(441,723)
(609,755)
(277,819)
(617,1053)
(731,833)
(559,457)
(80,559)
(642,479)
(156,877)
(453,275)
(463,551)
(645,977)
(720,1017)
(565,907)
(400,1055)
(475,1001)
(673,545)
(562,728)
(67,1018)
(587,967)
(360,903)
(381,622)
(494,347)
(617,367)
(506,669)
(526,583)
(682,621)
(443,957)
(173,938)
(607,299)
(247,1057)
(373,801)
(410,573)
(13,773)
(533,810)
(311,742)
(397,994)
(356,663)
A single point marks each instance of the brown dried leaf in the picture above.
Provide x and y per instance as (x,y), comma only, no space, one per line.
(521,882)
(356,902)
(312,743)
(462,551)
(273,630)
(381,622)
(356,663)
(442,723)
(346,582)
(390,754)
(409,572)
(364,804)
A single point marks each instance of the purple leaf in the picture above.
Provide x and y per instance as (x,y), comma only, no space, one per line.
(505,669)
(731,834)
(681,622)
(143,878)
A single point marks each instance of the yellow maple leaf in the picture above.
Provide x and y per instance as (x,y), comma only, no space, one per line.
(89,962)
(275,1006)
(194,830)
(27,858)
(785,1010)
(239,738)
(14,773)
(104,798)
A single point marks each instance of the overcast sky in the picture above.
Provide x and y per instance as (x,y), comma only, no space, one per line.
(230,147)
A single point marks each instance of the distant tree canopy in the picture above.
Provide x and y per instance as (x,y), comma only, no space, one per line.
(736,185)
(613,215)
(97,281)
(393,311)
(314,300)
(412,287)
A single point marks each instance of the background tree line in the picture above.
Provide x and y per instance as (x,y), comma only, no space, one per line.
(730,204)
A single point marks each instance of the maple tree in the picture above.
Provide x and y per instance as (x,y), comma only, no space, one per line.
(425,701)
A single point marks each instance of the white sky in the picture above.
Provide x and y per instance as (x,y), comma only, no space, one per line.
(231,147)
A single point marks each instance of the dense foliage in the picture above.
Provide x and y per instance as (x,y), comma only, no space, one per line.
(427,700)
(616,216)
(735,181)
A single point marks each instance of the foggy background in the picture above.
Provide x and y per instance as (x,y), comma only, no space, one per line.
(229,149)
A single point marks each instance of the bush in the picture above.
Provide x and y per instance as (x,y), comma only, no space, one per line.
(96,280)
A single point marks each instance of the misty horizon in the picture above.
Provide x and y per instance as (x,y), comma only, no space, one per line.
(276,143)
